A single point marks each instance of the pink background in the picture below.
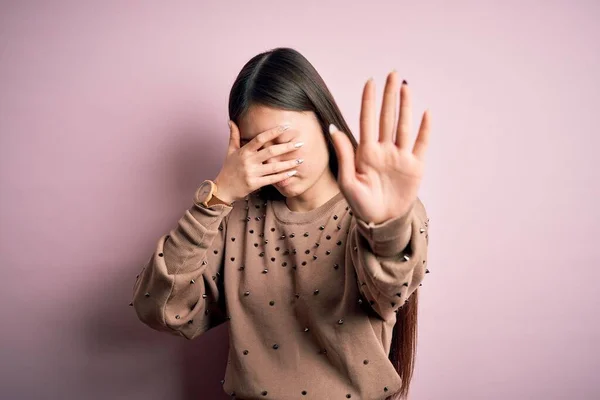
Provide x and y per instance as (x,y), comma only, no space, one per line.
(112,114)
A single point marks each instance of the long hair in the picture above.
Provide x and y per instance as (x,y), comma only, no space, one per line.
(284,79)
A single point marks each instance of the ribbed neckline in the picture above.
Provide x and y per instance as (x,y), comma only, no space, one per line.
(287,216)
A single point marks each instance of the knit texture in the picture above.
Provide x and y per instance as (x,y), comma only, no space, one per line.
(311,297)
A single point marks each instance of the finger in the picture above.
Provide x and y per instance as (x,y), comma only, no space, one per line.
(422,141)
(274,168)
(272,179)
(404,119)
(275,150)
(367,113)
(234,137)
(259,140)
(345,155)
(388,108)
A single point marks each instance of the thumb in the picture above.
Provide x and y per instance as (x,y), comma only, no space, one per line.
(234,137)
(345,154)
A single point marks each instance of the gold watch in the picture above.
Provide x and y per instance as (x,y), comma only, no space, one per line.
(206,191)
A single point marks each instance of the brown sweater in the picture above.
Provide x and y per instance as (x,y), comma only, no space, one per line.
(311,297)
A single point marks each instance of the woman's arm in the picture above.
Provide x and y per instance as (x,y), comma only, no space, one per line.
(389,258)
(179,289)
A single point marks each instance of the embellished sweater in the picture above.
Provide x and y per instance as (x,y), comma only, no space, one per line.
(311,297)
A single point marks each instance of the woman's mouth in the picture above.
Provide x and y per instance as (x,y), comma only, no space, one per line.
(284,182)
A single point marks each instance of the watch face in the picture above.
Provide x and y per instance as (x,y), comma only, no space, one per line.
(204,191)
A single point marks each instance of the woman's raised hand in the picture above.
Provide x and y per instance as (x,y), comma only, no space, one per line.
(244,170)
(382,179)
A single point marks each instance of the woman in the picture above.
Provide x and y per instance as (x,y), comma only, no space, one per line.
(317,276)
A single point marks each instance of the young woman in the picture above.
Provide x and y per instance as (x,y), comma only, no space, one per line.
(310,244)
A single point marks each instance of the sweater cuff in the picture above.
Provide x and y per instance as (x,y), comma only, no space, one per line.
(389,238)
(209,217)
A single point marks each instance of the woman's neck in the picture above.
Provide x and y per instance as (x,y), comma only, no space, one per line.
(318,194)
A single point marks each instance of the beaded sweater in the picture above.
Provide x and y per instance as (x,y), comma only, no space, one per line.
(311,297)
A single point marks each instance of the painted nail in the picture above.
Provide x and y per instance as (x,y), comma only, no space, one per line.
(299,161)
(299,144)
(332,128)
(404,82)
(292,173)
(284,128)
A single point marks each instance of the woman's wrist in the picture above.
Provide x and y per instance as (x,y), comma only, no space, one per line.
(220,196)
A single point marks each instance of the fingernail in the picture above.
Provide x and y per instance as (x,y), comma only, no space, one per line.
(404,82)
(332,128)
(299,144)
(284,127)
(299,161)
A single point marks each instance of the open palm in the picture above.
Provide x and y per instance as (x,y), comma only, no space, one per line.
(382,179)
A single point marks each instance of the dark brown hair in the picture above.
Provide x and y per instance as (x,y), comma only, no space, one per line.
(284,79)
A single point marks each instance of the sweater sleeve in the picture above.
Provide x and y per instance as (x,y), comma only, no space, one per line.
(389,258)
(180,288)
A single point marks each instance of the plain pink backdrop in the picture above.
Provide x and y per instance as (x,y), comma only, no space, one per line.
(111,114)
